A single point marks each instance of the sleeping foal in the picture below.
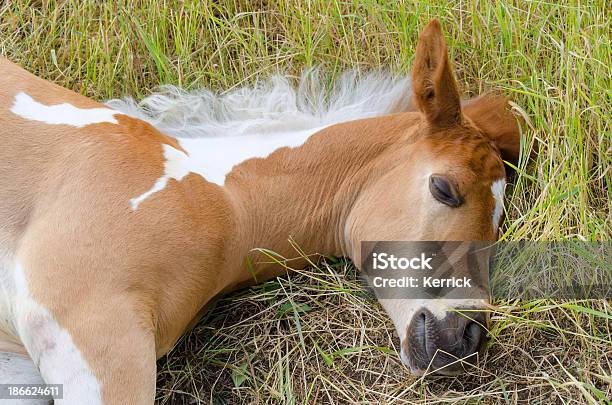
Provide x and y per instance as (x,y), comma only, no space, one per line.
(114,234)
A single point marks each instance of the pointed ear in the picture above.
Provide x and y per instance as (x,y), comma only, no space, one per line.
(435,91)
(491,115)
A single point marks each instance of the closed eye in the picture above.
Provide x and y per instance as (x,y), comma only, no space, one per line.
(444,191)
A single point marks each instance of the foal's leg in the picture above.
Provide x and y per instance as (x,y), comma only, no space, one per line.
(99,355)
(98,348)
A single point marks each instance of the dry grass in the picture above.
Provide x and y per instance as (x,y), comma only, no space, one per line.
(317,337)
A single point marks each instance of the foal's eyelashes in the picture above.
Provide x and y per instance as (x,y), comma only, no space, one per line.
(444,191)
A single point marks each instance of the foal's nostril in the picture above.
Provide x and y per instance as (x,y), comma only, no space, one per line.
(426,330)
(473,337)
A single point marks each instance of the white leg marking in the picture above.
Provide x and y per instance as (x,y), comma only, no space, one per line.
(8,338)
(60,114)
(52,349)
(497,188)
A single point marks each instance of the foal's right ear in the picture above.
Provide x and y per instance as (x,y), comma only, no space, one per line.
(435,91)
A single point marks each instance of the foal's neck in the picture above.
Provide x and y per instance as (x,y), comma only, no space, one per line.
(306,193)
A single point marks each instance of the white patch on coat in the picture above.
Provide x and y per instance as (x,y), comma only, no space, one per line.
(52,348)
(220,131)
(60,114)
(497,188)
(9,342)
(176,166)
(214,158)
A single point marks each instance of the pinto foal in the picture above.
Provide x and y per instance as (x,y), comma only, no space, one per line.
(114,235)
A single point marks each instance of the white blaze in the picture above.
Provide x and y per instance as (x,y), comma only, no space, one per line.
(497,188)
(60,114)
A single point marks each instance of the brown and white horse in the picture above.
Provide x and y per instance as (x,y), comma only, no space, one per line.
(114,234)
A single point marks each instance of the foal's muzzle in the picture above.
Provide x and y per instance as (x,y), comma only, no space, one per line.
(444,346)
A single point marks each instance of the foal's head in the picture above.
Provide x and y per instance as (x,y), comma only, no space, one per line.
(444,183)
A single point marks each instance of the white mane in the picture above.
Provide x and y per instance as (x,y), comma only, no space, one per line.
(275,105)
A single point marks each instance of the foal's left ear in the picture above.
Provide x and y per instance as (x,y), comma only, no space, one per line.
(434,88)
(491,115)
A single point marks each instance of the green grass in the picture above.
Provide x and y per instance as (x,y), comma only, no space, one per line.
(315,337)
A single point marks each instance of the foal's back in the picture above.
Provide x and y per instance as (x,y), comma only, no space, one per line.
(78,265)
(54,139)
